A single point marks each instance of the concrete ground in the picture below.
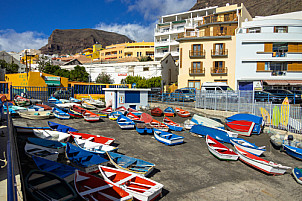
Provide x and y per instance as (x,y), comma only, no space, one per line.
(188,171)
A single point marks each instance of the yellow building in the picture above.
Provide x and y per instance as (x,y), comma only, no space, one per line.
(93,52)
(124,50)
(209,55)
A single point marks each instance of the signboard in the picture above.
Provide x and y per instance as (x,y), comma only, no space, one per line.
(122,74)
(48,78)
(121,99)
(257,86)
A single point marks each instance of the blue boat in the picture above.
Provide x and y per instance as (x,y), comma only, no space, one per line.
(60,127)
(125,123)
(259,123)
(215,133)
(60,114)
(247,146)
(12,111)
(35,108)
(29,129)
(53,100)
(130,164)
(84,160)
(169,112)
(297,172)
(168,138)
(293,151)
(143,128)
(74,100)
(60,146)
(59,169)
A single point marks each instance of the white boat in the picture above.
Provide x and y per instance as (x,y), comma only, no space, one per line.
(247,146)
(139,187)
(39,151)
(206,121)
(67,105)
(188,124)
(219,150)
(87,105)
(52,135)
(261,164)
(94,146)
(35,114)
(97,103)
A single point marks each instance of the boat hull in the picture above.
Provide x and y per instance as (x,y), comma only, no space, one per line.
(297,174)
(241,127)
(167,141)
(293,151)
(255,151)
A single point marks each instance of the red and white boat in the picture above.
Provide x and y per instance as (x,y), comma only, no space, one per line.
(268,167)
(93,138)
(122,109)
(107,110)
(172,125)
(159,125)
(146,118)
(135,112)
(46,107)
(156,112)
(90,116)
(134,118)
(219,150)
(78,109)
(141,188)
(182,113)
(241,127)
(93,188)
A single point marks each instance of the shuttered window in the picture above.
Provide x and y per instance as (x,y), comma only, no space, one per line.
(132,97)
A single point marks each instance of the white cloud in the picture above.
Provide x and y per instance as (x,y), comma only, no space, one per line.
(156,8)
(10,40)
(135,32)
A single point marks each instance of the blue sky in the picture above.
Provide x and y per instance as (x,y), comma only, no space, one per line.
(28,24)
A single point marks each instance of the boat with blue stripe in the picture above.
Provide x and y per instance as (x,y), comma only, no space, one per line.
(297,172)
(144,128)
(259,123)
(125,123)
(293,151)
(60,146)
(215,133)
(168,138)
(60,114)
(248,146)
(60,127)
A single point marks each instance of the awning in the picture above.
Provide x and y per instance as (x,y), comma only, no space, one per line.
(162,47)
(283,82)
(53,82)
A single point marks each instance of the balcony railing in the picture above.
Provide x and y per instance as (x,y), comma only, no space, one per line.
(197,71)
(215,19)
(219,71)
(197,54)
(219,53)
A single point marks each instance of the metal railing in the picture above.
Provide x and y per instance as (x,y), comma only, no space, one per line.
(197,71)
(219,71)
(195,53)
(219,52)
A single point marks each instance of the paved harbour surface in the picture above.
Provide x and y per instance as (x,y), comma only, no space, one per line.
(188,171)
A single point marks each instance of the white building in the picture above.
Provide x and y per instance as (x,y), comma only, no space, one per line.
(170,26)
(269,52)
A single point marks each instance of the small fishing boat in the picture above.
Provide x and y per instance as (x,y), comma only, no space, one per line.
(74,114)
(133,117)
(169,112)
(29,129)
(156,112)
(215,133)
(146,118)
(278,140)
(52,135)
(219,150)
(159,125)
(59,146)
(74,100)
(64,101)
(144,128)
(172,125)
(60,114)
(84,160)
(90,116)
(78,109)
(60,127)
(42,185)
(35,108)
(182,113)
(107,110)
(65,172)
(188,124)
(297,172)
(87,105)
(93,138)
(206,121)
(135,112)
(93,147)
(140,187)
(10,110)
(36,115)
(261,164)
(241,127)
(114,115)
(167,138)
(21,101)
(93,188)
(247,146)
(130,164)
(259,123)
(14,107)
(122,109)
(125,122)
(96,103)
(66,106)
(43,152)
(46,107)
(293,151)
(53,100)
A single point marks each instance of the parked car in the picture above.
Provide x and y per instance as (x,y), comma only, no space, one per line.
(264,96)
(155,93)
(183,94)
(62,94)
(282,93)
(298,96)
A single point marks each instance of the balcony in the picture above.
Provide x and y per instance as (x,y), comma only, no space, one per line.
(197,72)
(197,54)
(219,53)
(219,71)
(215,19)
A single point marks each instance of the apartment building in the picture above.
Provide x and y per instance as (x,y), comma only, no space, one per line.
(208,54)
(170,27)
(269,52)
(124,50)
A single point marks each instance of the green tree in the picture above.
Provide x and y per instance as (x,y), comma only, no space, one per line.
(43,62)
(104,78)
(142,82)
(145,58)
(10,68)
(50,69)
(79,74)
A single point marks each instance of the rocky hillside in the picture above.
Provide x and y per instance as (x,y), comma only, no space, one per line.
(256,7)
(71,41)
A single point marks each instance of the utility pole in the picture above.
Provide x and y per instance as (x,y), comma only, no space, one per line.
(26,63)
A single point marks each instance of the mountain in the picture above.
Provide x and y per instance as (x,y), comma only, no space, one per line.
(71,41)
(256,7)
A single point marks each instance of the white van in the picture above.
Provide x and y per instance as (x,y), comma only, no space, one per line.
(215,87)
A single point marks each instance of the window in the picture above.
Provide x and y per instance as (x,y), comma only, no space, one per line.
(194,84)
(164,39)
(146,69)
(276,66)
(281,29)
(280,49)
(254,30)
(180,27)
(137,54)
